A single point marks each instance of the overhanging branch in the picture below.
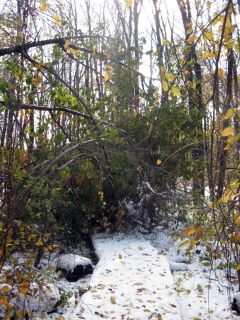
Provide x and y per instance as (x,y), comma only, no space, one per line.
(33,44)
(51,109)
(23,48)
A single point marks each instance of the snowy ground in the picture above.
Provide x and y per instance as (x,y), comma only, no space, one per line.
(201,294)
(132,281)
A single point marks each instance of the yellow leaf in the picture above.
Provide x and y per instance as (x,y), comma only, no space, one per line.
(231,28)
(30,237)
(191,85)
(227,131)
(107,73)
(221,19)
(220,72)
(128,3)
(101,195)
(216,19)
(192,245)
(44,6)
(229,44)
(163,69)
(159,162)
(212,205)
(208,35)
(165,85)
(232,140)
(119,256)
(188,231)
(208,4)
(113,300)
(237,221)
(227,147)
(39,243)
(74,52)
(230,113)
(197,4)
(176,91)
(237,47)
(4,301)
(47,235)
(6,289)
(57,19)
(50,248)
(23,290)
(198,233)
(238,267)
(67,45)
(191,39)
(23,287)
(235,237)
(208,54)
(189,30)
(59,318)
(169,76)
(228,195)
(235,183)
(166,42)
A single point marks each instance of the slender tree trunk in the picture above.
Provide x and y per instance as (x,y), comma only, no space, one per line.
(136,54)
(222,152)
(194,75)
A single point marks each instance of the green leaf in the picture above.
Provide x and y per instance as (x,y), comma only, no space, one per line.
(183,244)
(176,91)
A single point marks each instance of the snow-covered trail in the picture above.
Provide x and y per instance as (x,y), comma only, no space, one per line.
(132,281)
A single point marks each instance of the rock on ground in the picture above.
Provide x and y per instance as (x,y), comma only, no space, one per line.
(74,267)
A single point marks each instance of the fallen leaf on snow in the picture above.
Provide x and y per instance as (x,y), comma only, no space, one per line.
(113,300)
(173,305)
